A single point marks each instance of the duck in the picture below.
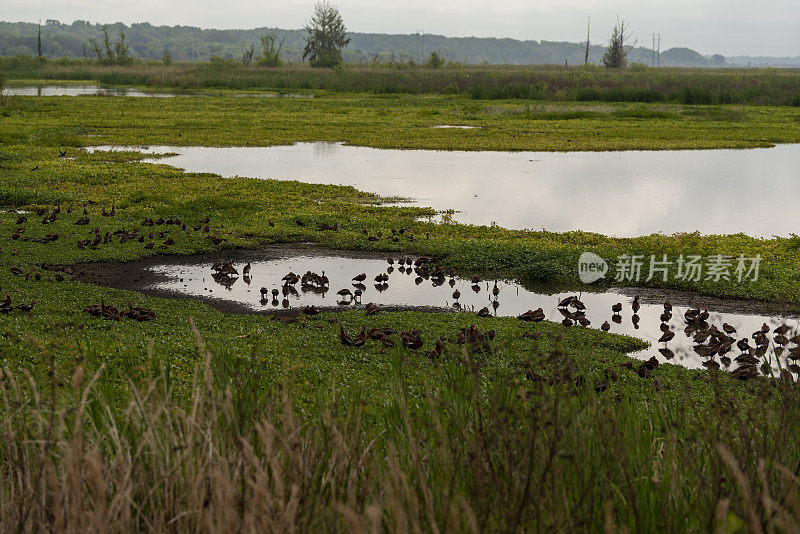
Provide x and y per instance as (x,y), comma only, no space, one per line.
(635,304)
(345,293)
(456,294)
(360,277)
(246,269)
(616,308)
(605,327)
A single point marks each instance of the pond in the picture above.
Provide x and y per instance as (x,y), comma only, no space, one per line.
(98,90)
(629,193)
(192,277)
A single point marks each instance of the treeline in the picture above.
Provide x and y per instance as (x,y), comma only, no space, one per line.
(186,43)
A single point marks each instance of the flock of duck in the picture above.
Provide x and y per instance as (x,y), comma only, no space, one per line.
(713,344)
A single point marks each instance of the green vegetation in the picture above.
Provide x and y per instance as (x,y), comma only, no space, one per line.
(111,53)
(33,129)
(178,424)
(684,86)
(326,38)
(271,51)
(465,443)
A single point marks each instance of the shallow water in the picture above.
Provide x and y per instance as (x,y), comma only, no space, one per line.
(612,193)
(196,280)
(97,90)
(79,90)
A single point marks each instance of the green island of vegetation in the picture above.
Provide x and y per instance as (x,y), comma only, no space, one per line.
(201,419)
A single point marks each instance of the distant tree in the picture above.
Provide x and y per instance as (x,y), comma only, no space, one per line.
(121,56)
(111,53)
(249,56)
(435,61)
(326,38)
(271,55)
(718,59)
(616,56)
(166,59)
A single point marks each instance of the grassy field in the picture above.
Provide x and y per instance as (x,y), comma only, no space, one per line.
(552,83)
(240,420)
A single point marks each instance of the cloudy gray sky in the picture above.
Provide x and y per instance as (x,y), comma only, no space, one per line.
(729,27)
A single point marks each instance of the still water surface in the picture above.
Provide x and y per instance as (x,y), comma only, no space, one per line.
(404,289)
(97,90)
(629,193)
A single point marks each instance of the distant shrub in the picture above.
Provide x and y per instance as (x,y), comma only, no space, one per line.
(435,61)
(510,91)
(618,94)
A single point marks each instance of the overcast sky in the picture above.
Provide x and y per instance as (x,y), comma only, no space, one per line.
(728,27)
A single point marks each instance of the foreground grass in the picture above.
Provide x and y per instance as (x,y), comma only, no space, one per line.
(553,443)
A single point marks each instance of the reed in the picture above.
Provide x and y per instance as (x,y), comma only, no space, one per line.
(640,84)
(539,448)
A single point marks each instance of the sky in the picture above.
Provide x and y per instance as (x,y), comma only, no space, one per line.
(727,27)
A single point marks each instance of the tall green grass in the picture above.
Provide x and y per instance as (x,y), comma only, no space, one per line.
(682,85)
(545,447)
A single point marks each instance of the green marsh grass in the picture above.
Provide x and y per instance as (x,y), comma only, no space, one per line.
(244,423)
(690,86)
(541,446)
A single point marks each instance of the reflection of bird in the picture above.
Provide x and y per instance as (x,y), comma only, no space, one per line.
(666,336)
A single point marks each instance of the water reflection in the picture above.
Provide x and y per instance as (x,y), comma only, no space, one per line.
(613,193)
(351,282)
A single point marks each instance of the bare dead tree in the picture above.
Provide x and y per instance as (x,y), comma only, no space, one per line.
(39,41)
(588,29)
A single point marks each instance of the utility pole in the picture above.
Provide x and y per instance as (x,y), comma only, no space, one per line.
(654,49)
(588,29)
(39,41)
(658,54)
